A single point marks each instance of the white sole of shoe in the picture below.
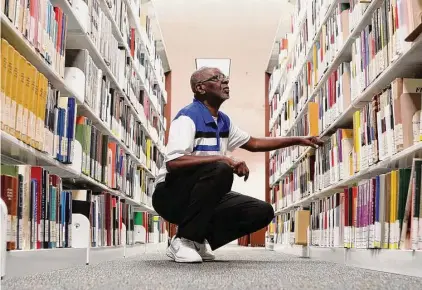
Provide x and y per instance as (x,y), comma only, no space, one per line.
(169,253)
(172,256)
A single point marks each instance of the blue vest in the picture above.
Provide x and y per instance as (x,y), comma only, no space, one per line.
(210,136)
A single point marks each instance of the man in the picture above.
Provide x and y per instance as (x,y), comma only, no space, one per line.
(193,189)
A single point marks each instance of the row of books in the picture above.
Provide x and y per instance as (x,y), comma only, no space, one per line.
(109,103)
(46,115)
(44,25)
(143,62)
(32,110)
(152,43)
(155,227)
(309,53)
(91,138)
(382,128)
(382,212)
(105,161)
(40,211)
(108,214)
(379,44)
(290,228)
(48,34)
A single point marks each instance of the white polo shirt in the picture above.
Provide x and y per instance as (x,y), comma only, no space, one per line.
(196,132)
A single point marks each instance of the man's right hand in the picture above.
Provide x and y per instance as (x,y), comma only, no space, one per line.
(239,167)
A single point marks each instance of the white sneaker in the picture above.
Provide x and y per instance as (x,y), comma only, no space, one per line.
(204,250)
(183,251)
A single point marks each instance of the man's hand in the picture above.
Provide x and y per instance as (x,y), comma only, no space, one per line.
(311,141)
(239,167)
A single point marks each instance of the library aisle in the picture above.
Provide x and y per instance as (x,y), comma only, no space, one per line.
(236,268)
(86,106)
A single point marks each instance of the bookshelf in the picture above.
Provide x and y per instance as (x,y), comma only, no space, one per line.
(83,126)
(347,74)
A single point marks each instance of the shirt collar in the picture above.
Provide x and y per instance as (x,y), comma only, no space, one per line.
(206,114)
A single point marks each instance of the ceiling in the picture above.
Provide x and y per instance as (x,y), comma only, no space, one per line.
(242,30)
(222,28)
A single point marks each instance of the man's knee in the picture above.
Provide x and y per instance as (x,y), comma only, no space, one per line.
(223,169)
(267,212)
(223,172)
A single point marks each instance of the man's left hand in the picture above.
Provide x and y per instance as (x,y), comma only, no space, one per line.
(241,169)
(312,142)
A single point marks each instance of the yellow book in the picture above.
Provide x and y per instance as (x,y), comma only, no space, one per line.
(144,18)
(313,115)
(37,104)
(4,62)
(42,90)
(148,149)
(280,194)
(392,244)
(9,88)
(33,107)
(396,212)
(20,97)
(26,101)
(14,92)
(289,109)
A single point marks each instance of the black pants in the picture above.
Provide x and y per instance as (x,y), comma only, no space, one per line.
(200,201)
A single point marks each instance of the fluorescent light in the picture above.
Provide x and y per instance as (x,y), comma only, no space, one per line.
(221,63)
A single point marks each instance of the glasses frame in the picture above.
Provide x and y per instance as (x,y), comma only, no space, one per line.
(218,77)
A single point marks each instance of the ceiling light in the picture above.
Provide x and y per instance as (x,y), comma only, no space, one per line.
(221,63)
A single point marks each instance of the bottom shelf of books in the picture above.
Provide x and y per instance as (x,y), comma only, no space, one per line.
(45,225)
(375,223)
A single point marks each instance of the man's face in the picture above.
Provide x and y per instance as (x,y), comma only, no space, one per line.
(214,84)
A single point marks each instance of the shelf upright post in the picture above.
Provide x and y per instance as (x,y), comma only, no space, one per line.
(3,237)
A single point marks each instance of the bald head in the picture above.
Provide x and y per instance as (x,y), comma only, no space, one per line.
(200,75)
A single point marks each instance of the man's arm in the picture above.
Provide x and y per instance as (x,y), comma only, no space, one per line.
(189,161)
(268,144)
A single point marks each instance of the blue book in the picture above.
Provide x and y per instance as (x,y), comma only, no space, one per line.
(71,119)
(33,210)
(53,214)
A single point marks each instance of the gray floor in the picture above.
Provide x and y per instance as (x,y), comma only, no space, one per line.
(236,268)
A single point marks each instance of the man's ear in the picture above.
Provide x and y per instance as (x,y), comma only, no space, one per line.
(200,89)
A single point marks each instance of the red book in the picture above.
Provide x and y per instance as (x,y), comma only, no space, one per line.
(9,194)
(132,42)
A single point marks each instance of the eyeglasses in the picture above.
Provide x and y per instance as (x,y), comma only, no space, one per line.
(215,78)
